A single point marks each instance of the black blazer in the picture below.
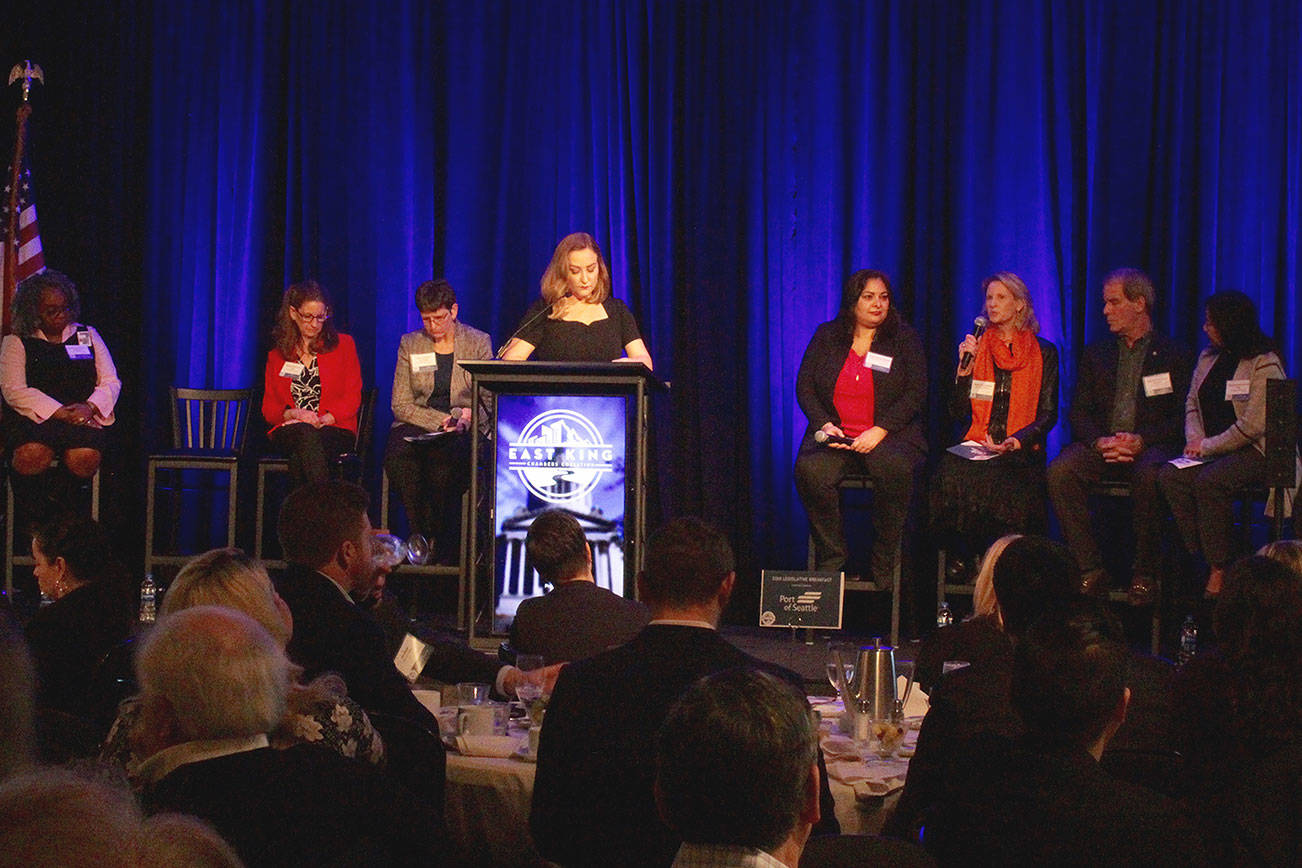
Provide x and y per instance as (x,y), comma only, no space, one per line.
(1034,435)
(1159,419)
(68,639)
(898,396)
(574,621)
(592,797)
(332,634)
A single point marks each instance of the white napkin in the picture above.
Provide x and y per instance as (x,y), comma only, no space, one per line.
(500,746)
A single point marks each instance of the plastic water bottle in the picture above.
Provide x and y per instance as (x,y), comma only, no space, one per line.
(148,594)
(1188,639)
(944,617)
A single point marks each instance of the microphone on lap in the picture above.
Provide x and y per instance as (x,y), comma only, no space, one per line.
(978,328)
(821,436)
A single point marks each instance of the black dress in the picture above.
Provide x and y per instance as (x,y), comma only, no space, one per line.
(556,340)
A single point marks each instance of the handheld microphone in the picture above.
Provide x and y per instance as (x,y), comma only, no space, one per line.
(978,328)
(821,436)
(530,321)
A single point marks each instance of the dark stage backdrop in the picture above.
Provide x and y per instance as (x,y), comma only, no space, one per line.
(736,160)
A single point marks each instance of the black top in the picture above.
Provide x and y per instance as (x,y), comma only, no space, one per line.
(441,397)
(1218,413)
(898,395)
(557,340)
(1033,436)
(54,372)
(1159,419)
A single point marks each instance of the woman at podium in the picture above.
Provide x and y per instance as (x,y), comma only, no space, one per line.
(577,319)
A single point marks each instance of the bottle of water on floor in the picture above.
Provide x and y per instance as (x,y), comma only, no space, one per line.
(148,595)
(1188,640)
(944,617)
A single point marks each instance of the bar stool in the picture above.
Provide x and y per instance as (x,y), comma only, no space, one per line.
(855,481)
(435,569)
(25,560)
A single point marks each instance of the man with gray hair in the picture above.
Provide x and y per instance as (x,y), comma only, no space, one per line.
(1127,418)
(738,775)
(213,684)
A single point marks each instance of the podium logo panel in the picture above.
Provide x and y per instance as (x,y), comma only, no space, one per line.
(560,456)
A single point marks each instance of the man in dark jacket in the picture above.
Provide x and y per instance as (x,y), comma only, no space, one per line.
(1127,418)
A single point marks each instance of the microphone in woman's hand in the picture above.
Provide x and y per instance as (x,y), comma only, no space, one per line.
(821,436)
(978,328)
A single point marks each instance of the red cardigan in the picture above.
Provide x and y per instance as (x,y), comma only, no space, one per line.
(341,386)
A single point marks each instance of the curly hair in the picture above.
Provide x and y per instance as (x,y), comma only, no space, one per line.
(286,335)
(26,306)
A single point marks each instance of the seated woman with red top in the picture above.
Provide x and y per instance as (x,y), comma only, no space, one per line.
(863,377)
(313,384)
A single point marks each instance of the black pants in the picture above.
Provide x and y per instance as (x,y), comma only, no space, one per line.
(1071,475)
(1202,500)
(430,477)
(311,450)
(891,467)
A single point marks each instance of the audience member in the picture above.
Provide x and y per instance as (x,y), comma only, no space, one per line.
(1042,799)
(980,639)
(316,712)
(93,610)
(1285,551)
(1239,716)
(214,683)
(17,698)
(52,818)
(576,619)
(593,798)
(1127,418)
(737,771)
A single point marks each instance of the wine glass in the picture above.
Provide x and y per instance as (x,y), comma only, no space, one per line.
(418,549)
(387,550)
(847,662)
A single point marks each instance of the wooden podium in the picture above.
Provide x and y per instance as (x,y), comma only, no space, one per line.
(493,379)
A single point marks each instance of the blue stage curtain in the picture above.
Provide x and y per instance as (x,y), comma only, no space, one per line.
(736,160)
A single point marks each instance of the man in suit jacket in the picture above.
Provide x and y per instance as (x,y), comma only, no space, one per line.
(428,385)
(1127,417)
(1043,799)
(326,535)
(593,801)
(577,619)
(213,684)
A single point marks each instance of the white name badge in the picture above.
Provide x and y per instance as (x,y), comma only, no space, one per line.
(1237,390)
(982,390)
(77,351)
(292,370)
(877,362)
(422,362)
(83,338)
(1157,384)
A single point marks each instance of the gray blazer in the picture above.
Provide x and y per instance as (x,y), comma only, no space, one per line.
(411,390)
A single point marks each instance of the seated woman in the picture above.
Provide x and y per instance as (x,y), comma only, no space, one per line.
(577,319)
(1224,429)
(863,378)
(979,639)
(1006,396)
(93,610)
(428,385)
(313,384)
(318,712)
(59,380)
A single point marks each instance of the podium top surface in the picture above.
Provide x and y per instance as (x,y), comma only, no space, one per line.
(488,372)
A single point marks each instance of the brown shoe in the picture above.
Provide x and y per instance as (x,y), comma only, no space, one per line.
(1094,583)
(1143,591)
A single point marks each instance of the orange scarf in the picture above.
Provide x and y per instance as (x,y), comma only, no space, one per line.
(1023,359)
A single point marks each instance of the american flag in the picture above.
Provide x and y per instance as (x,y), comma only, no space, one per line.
(22,236)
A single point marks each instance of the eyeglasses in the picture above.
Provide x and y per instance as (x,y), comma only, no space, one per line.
(318,318)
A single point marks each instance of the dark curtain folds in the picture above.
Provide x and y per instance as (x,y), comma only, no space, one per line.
(735,159)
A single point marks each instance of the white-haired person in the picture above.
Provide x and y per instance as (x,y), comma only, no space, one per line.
(318,711)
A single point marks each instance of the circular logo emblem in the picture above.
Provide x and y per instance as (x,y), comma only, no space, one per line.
(560,456)
(768,619)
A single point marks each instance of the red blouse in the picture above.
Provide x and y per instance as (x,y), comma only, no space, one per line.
(853,396)
(341,386)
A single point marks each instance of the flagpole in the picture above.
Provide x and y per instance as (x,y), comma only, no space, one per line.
(25,72)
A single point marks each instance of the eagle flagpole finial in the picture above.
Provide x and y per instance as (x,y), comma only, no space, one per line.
(27,72)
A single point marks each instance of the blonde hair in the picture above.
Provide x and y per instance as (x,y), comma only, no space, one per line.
(1026,319)
(1285,551)
(555,280)
(230,578)
(984,602)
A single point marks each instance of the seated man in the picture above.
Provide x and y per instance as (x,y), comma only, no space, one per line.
(213,684)
(1043,799)
(1127,417)
(577,619)
(326,535)
(738,771)
(593,800)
